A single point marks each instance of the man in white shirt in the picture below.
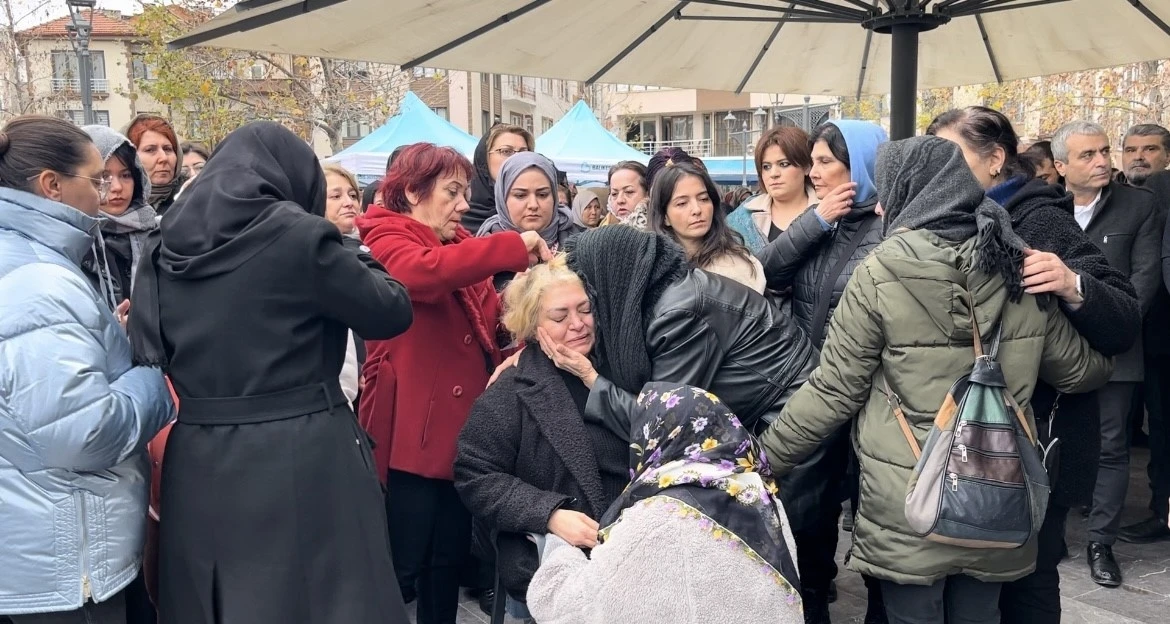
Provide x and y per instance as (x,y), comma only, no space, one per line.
(1122,221)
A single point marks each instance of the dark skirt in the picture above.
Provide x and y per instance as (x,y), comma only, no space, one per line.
(278,522)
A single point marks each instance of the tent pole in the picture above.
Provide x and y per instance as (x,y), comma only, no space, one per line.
(904,80)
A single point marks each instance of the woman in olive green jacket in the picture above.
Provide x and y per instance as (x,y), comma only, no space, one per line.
(905,314)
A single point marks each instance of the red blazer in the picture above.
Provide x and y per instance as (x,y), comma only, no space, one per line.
(420,385)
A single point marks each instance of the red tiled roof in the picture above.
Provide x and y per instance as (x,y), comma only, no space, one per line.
(105,24)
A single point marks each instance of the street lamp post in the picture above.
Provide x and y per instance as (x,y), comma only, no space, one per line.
(79,31)
(744,133)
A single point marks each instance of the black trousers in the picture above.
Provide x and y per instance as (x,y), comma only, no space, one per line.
(1035,599)
(430,534)
(1156,392)
(112,611)
(1113,471)
(954,600)
(816,552)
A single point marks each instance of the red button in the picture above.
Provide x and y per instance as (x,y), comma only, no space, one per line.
(457,391)
(467,339)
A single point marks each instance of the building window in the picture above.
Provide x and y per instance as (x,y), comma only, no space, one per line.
(566,92)
(66,76)
(485,79)
(545,124)
(424,72)
(546,86)
(142,70)
(486,120)
(528,123)
(100,117)
(352,69)
(679,128)
(257,71)
(516,119)
(355,129)
(441,111)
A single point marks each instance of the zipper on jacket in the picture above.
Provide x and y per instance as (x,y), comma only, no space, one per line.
(86,590)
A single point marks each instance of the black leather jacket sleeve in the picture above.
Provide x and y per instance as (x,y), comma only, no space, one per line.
(684,349)
(783,257)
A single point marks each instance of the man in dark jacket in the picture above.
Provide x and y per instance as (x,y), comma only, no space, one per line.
(1122,221)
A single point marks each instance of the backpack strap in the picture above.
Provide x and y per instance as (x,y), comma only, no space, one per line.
(1019,412)
(896,405)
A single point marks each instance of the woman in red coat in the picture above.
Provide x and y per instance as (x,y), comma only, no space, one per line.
(421,385)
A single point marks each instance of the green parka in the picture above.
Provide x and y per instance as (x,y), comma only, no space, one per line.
(904,313)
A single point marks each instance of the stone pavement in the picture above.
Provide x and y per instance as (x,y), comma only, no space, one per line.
(1145,596)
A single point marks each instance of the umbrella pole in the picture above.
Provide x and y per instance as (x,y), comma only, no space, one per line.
(904,80)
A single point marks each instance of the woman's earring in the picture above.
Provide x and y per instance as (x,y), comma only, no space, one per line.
(995,174)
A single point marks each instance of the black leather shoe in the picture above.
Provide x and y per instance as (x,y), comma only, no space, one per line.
(1145,532)
(487,600)
(1103,568)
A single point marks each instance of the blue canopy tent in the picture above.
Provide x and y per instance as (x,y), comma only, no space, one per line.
(414,123)
(582,148)
(729,170)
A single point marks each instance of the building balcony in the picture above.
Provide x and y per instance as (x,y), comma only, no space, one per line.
(519,93)
(72,85)
(695,147)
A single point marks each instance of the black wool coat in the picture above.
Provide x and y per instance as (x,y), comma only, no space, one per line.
(523,454)
(1110,320)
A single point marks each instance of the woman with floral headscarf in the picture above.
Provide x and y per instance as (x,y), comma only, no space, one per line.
(702,519)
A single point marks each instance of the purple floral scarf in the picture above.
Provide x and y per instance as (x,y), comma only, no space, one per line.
(687,445)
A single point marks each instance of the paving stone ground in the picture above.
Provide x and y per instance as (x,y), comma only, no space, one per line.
(1144,597)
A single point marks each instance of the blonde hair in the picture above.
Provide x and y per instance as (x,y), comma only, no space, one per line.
(336,169)
(523,296)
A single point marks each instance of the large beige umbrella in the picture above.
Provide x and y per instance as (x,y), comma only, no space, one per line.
(833,47)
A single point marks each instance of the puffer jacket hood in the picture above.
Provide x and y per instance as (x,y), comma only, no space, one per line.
(905,318)
(110,142)
(75,417)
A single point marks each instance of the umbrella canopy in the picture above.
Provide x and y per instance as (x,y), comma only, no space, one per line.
(414,123)
(833,47)
(582,148)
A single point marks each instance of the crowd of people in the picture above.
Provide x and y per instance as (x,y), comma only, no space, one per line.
(237,386)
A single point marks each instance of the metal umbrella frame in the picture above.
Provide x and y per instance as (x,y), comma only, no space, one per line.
(903,20)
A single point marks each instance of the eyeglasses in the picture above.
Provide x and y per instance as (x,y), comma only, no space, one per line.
(508,151)
(101,185)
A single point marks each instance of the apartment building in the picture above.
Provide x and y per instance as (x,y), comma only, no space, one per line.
(707,123)
(45,79)
(474,101)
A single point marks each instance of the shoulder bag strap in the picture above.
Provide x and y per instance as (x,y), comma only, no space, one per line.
(896,405)
(825,298)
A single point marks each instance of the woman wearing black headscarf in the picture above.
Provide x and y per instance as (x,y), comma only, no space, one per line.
(273,511)
(499,144)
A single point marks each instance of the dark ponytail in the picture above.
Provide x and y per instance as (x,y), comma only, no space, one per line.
(983,129)
(31,144)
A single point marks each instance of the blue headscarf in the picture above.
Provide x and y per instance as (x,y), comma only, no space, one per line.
(862,138)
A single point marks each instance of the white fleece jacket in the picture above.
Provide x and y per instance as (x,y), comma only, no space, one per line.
(659,567)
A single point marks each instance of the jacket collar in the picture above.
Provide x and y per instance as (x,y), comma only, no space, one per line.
(545,397)
(53,224)
(760,209)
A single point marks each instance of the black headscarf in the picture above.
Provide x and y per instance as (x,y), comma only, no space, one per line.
(688,446)
(924,183)
(625,271)
(259,182)
(483,189)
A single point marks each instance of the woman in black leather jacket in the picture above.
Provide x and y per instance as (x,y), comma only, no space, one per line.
(658,320)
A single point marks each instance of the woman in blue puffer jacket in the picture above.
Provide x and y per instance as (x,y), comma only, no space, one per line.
(75,415)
